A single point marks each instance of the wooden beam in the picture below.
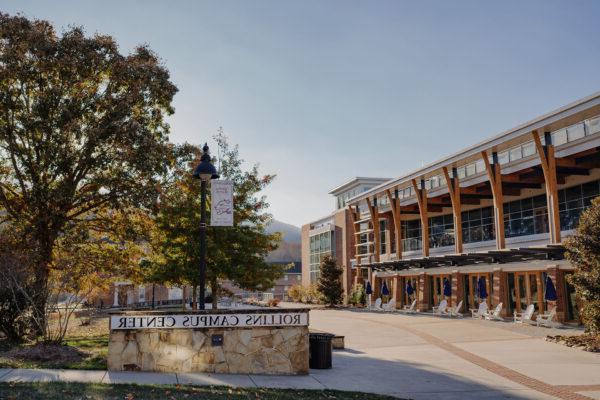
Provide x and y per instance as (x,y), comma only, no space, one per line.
(395,205)
(495,178)
(470,201)
(439,203)
(476,196)
(455,199)
(423,213)
(523,179)
(521,185)
(579,162)
(572,170)
(548,162)
(375,221)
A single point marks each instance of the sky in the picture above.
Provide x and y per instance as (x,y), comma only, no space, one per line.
(318,92)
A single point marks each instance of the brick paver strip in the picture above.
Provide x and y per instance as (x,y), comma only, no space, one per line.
(562,392)
(580,388)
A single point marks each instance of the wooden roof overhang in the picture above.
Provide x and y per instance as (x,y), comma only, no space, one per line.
(551,252)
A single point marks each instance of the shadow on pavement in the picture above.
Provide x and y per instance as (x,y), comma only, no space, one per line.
(413,380)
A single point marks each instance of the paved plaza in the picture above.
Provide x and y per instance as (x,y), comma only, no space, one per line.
(410,356)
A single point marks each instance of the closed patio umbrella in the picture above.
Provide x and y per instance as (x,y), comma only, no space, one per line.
(409,289)
(447,288)
(550,290)
(369,292)
(481,290)
(384,289)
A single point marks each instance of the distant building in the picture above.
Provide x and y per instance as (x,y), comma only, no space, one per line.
(291,277)
(329,235)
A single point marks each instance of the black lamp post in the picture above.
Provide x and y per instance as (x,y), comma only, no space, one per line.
(205,171)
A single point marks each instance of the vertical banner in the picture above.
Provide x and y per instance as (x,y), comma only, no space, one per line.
(221,206)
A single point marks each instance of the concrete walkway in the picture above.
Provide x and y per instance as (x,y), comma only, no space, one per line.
(409,356)
(425,357)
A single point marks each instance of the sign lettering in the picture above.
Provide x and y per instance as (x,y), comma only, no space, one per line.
(208,320)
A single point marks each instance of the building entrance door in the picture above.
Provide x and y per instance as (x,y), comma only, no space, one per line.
(526,288)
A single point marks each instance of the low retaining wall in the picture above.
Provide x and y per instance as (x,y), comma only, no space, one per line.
(263,341)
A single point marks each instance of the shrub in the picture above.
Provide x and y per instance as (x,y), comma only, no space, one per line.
(296,293)
(358,295)
(583,250)
(273,302)
(330,284)
(312,294)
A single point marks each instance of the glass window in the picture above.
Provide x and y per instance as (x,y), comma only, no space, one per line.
(575,132)
(462,171)
(480,166)
(477,225)
(470,169)
(515,154)
(591,189)
(593,126)
(526,217)
(441,231)
(503,157)
(528,149)
(559,137)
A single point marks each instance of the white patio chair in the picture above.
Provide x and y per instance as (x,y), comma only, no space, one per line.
(441,308)
(410,309)
(455,311)
(390,306)
(377,305)
(494,315)
(547,319)
(520,317)
(479,312)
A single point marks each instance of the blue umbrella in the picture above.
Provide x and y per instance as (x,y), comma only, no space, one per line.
(447,288)
(409,289)
(384,289)
(550,290)
(369,289)
(481,290)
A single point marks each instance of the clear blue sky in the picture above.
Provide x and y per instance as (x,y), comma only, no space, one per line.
(312,90)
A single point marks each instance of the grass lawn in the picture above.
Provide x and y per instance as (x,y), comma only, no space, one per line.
(95,391)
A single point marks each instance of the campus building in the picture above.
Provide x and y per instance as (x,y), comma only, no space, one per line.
(330,236)
(126,294)
(496,212)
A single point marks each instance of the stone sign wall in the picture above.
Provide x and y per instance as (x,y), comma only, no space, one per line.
(254,350)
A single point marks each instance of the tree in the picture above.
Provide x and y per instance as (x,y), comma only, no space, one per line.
(330,284)
(583,250)
(235,253)
(81,128)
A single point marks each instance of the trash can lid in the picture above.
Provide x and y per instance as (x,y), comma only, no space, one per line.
(321,336)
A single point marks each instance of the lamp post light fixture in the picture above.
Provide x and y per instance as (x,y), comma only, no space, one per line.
(205,171)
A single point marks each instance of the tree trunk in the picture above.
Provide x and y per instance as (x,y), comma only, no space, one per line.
(40,286)
(214,287)
(194,295)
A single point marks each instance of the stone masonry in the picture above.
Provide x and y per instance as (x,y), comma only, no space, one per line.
(273,350)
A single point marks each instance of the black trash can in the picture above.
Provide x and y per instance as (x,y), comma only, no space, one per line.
(320,350)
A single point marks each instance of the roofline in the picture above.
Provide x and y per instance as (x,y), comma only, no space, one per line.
(527,127)
(356,180)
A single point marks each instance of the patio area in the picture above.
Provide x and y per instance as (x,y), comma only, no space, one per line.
(423,357)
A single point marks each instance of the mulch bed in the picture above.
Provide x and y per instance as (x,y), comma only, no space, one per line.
(46,353)
(585,342)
